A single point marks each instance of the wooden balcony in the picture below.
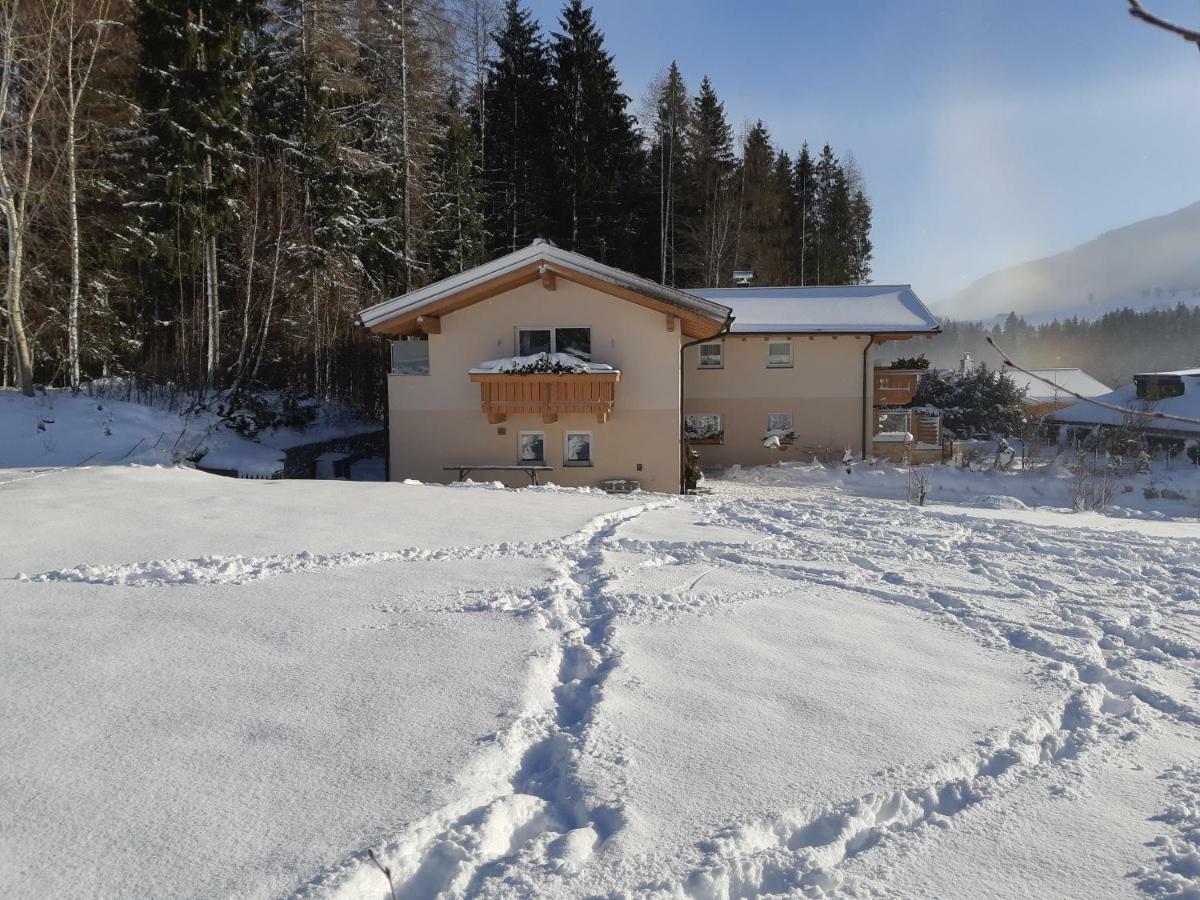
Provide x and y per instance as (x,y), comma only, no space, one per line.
(896,387)
(501,395)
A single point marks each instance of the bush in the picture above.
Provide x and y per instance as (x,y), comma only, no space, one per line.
(981,400)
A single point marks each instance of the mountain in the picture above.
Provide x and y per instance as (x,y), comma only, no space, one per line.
(1151,263)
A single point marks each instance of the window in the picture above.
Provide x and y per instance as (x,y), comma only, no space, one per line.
(779,423)
(410,357)
(531,446)
(707,428)
(1158,387)
(712,356)
(577,448)
(779,354)
(574,340)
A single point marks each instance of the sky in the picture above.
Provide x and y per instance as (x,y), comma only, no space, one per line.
(990,132)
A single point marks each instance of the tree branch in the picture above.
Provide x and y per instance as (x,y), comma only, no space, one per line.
(1140,12)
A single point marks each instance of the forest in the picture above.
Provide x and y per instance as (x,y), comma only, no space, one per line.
(204,193)
(1111,348)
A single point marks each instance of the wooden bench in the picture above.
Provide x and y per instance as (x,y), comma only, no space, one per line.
(531,471)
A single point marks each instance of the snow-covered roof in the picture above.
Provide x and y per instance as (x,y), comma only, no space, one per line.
(1192,373)
(1187,404)
(525,263)
(840,309)
(1076,380)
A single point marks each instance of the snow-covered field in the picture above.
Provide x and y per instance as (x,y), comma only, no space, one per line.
(214,687)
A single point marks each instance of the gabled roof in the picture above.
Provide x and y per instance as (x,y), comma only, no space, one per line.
(842,309)
(1076,380)
(1190,373)
(1188,404)
(699,317)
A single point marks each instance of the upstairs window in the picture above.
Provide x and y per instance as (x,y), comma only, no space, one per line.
(574,340)
(779,354)
(410,357)
(712,356)
(1159,387)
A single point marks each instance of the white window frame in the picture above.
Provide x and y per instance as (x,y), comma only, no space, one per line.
(777,365)
(521,435)
(719,364)
(788,416)
(553,329)
(567,461)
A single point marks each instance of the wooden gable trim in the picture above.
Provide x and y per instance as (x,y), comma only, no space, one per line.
(692,324)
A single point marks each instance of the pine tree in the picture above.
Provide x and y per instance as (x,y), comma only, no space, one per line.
(711,195)
(517,158)
(804,218)
(456,232)
(598,158)
(759,212)
(668,159)
(193,88)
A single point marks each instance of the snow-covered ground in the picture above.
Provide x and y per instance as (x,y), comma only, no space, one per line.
(214,687)
(100,426)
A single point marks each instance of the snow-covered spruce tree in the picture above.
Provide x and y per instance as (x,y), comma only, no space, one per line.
(193,88)
(711,196)
(599,162)
(518,169)
(982,400)
(456,229)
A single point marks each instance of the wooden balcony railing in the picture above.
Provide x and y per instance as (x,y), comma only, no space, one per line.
(501,395)
(895,387)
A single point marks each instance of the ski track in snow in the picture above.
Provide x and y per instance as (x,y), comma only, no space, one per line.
(1111,615)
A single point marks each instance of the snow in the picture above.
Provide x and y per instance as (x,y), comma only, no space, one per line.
(518,363)
(845,309)
(1038,391)
(1187,405)
(791,686)
(61,428)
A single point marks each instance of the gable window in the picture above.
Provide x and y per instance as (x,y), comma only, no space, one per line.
(574,340)
(712,356)
(779,354)
(577,448)
(779,423)
(704,428)
(531,446)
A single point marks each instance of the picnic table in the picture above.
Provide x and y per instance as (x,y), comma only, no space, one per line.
(531,471)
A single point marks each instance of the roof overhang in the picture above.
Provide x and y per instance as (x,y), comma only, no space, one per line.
(698,318)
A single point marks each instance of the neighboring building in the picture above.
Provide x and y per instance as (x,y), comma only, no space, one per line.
(797,359)
(1042,399)
(612,356)
(1175,393)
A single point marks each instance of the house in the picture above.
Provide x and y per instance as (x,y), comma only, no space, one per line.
(545,363)
(1042,398)
(1175,393)
(796,360)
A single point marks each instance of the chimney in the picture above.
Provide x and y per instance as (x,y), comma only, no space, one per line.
(964,365)
(742,278)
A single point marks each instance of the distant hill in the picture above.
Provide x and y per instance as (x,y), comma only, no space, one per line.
(1153,263)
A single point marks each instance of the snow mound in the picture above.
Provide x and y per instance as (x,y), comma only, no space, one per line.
(540,362)
(996,501)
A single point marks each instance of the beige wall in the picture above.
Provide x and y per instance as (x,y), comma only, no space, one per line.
(822,391)
(436,420)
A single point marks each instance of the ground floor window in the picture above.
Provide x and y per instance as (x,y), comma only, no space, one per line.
(779,423)
(532,446)
(577,448)
(704,428)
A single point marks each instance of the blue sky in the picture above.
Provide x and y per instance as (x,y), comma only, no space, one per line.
(990,131)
